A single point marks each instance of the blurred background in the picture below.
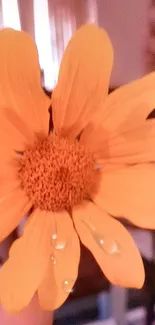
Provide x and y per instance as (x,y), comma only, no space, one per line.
(131,27)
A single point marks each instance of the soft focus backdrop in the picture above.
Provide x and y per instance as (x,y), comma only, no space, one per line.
(52,22)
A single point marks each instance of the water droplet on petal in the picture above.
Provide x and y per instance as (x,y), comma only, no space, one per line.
(54,236)
(109,245)
(53,259)
(60,245)
(68,286)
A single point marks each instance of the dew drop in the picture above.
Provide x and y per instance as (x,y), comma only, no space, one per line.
(53,239)
(68,286)
(109,245)
(53,259)
(60,245)
(54,236)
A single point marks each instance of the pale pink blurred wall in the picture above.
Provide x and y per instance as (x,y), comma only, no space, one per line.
(127,23)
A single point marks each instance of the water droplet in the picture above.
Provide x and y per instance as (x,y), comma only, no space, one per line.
(54,236)
(60,245)
(68,286)
(53,259)
(109,245)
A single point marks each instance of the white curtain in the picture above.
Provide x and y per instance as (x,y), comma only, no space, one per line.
(51,23)
(1,15)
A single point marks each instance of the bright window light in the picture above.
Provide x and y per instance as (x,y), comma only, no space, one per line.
(43,41)
(11,14)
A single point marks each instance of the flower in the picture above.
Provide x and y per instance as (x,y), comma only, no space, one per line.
(96,163)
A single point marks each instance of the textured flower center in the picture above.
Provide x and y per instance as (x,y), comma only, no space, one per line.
(56,174)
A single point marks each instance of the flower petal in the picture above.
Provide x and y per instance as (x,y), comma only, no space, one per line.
(20,86)
(111,245)
(9,164)
(7,156)
(63,266)
(28,260)
(129,105)
(83,80)
(13,207)
(128,192)
(14,133)
(128,147)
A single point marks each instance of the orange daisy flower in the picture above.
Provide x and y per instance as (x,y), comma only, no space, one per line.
(94,164)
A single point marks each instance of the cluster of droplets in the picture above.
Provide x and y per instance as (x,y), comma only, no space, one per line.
(106,244)
(59,245)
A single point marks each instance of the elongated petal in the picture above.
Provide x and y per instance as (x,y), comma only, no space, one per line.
(14,133)
(21,275)
(20,84)
(128,192)
(128,147)
(129,105)
(9,165)
(13,207)
(8,158)
(111,245)
(62,270)
(83,80)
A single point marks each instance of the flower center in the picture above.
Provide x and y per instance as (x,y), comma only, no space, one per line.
(56,174)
